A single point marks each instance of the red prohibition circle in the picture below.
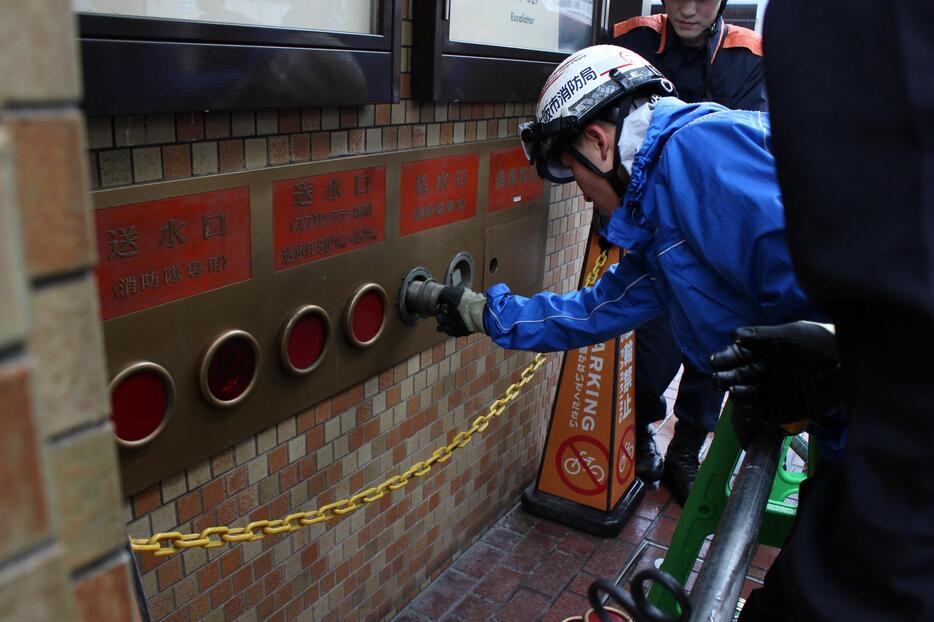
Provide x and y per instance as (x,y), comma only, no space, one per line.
(627,449)
(578,449)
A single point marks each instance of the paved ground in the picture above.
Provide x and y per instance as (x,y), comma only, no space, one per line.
(527,569)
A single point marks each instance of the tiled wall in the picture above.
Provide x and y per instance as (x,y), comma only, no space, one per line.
(369,564)
(137,149)
(62,554)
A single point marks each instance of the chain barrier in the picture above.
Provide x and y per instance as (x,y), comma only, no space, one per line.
(213,537)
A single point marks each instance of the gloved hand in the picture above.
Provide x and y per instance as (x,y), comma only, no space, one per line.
(779,376)
(460,311)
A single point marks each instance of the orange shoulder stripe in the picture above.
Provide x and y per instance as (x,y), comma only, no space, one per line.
(655,22)
(739,37)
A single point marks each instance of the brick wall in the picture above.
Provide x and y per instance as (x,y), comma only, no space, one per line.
(62,555)
(371,563)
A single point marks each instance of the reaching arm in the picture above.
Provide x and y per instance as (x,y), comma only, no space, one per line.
(621,300)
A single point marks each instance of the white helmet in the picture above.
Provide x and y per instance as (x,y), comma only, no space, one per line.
(599,82)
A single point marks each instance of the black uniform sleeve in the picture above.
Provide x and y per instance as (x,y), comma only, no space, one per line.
(751,93)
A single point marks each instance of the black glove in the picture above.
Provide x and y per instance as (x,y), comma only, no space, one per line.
(780,375)
(460,311)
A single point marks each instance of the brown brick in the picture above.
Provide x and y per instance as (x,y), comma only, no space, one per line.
(348,117)
(320,145)
(231,155)
(311,119)
(222,462)
(189,126)
(52,191)
(213,493)
(355,141)
(176,161)
(217,125)
(68,350)
(278,458)
(418,136)
(236,481)
(209,576)
(289,121)
(383,112)
(231,562)
(105,596)
(37,590)
(86,488)
(405,137)
(278,150)
(300,147)
(22,504)
(188,506)
(147,501)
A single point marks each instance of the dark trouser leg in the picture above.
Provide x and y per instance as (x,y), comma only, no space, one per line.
(657,361)
(699,402)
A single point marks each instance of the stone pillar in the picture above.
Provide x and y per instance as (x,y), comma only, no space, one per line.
(62,554)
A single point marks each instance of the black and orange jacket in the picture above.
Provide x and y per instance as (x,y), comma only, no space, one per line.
(730,73)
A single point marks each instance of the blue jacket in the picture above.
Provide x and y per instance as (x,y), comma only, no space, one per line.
(703,222)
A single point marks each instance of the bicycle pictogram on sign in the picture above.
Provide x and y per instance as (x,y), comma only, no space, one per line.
(582,464)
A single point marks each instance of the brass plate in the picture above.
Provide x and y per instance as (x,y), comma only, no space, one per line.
(176,333)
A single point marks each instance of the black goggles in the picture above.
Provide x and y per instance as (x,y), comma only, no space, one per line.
(543,145)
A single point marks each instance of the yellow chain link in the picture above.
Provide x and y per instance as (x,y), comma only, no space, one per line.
(257,530)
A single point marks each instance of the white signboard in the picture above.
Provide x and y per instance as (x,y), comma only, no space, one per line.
(356,16)
(545,25)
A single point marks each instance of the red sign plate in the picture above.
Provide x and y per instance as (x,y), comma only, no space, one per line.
(512,181)
(159,251)
(438,192)
(326,215)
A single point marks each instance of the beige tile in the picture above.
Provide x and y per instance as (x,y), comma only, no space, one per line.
(85,499)
(36,589)
(13,314)
(67,347)
(147,164)
(38,52)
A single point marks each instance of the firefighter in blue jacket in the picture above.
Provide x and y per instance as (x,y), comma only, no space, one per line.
(707,60)
(704,237)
